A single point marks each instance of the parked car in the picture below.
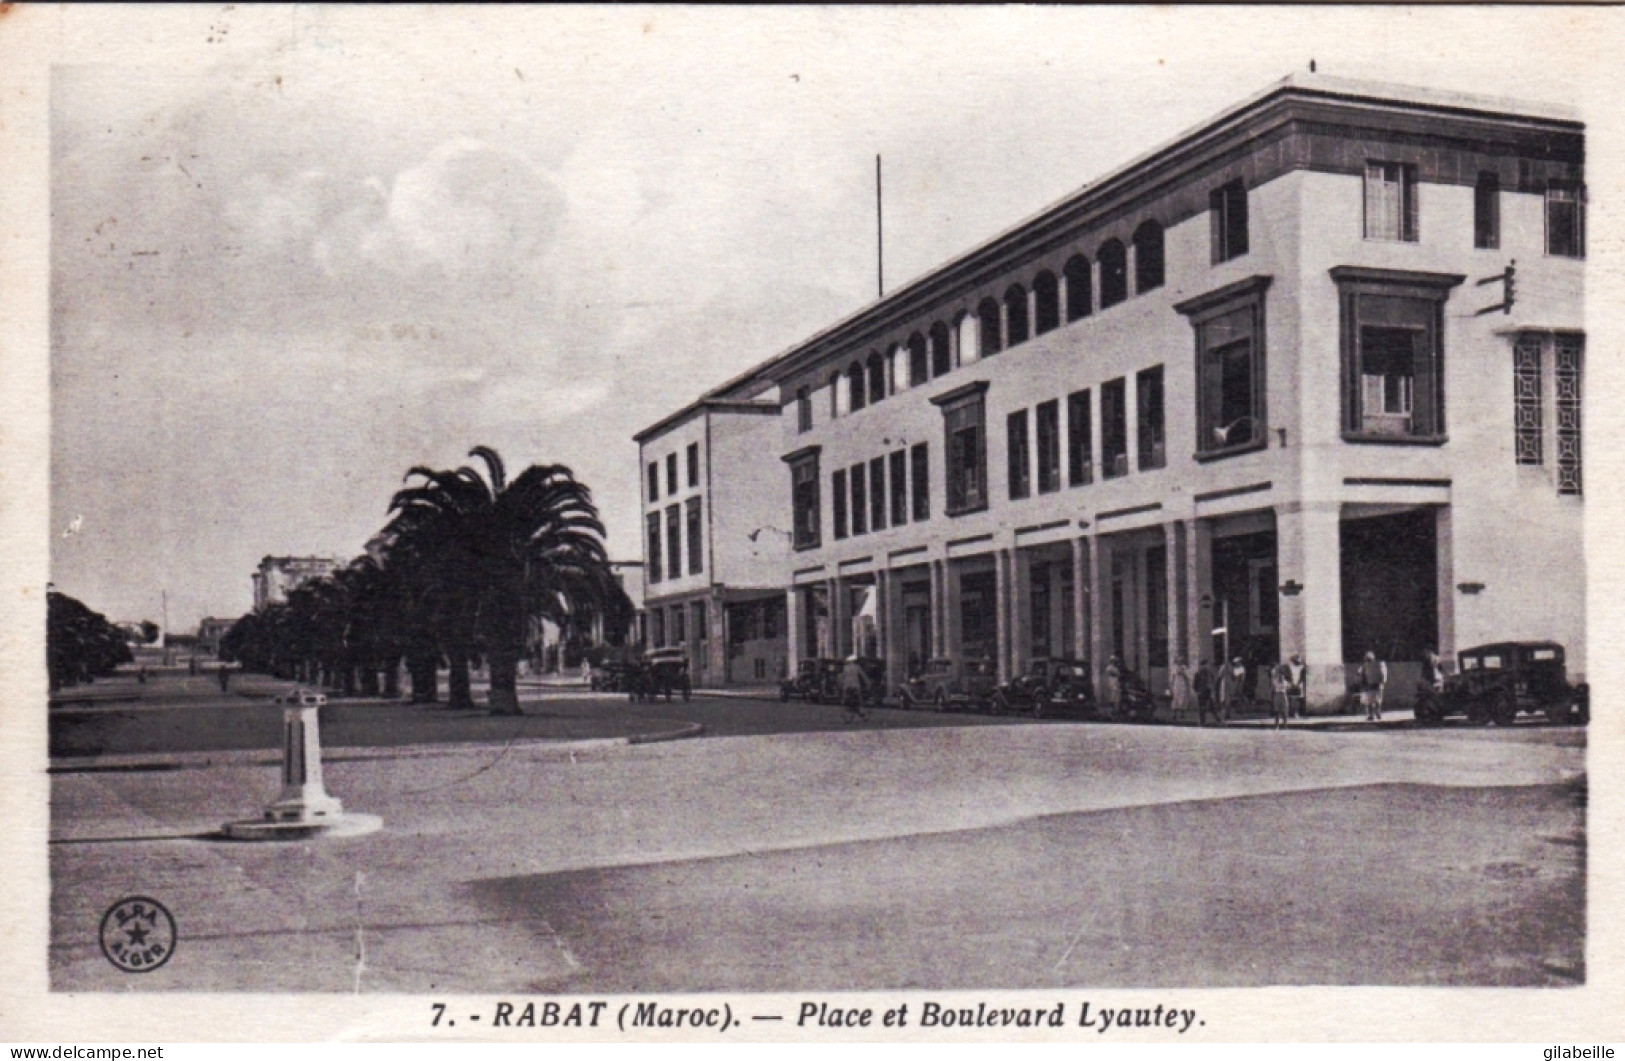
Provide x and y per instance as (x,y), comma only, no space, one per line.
(1050,686)
(1494,683)
(612,676)
(928,688)
(804,684)
(663,671)
(942,686)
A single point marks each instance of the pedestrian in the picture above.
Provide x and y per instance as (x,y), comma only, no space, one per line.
(1232,682)
(1203,687)
(852,687)
(1179,688)
(1280,698)
(1373,677)
(1111,686)
(1295,685)
(1432,671)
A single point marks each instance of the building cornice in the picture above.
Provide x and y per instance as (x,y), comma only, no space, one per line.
(1361,110)
(715,405)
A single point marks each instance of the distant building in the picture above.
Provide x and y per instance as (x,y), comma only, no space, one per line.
(210,631)
(717,536)
(280,575)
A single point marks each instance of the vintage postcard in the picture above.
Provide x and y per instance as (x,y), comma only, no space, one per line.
(826,525)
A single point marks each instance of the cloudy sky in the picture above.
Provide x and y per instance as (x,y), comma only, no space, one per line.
(296,251)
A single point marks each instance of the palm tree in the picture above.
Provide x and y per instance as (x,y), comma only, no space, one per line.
(490,554)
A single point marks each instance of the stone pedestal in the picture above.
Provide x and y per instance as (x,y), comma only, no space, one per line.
(304,807)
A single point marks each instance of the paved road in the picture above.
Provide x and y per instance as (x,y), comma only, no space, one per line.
(1005,855)
(182,714)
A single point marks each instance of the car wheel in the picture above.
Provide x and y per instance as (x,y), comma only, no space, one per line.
(997,703)
(1506,709)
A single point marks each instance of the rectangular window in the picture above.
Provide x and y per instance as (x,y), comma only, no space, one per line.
(1229,327)
(696,540)
(964,431)
(655,552)
(658,626)
(671,474)
(803,410)
(1148,405)
(1393,353)
(679,631)
(1570,358)
(1049,446)
(1487,212)
(674,541)
(1390,201)
(877,493)
(858,477)
(654,480)
(899,487)
(1528,444)
(693,464)
(837,489)
(920,471)
(804,501)
(1565,220)
(1019,454)
(1114,428)
(1080,443)
(1227,217)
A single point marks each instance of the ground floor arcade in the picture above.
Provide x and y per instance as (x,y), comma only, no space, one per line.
(1329,582)
(731,635)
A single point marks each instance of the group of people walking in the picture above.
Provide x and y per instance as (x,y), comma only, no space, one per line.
(1219,693)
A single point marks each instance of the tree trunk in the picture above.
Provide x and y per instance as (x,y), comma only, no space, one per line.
(504,695)
(369,679)
(392,679)
(458,696)
(425,678)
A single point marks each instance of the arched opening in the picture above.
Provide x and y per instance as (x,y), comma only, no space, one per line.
(1015,314)
(877,377)
(1046,303)
(919,360)
(942,351)
(1148,259)
(854,386)
(988,332)
(1113,273)
(1079,300)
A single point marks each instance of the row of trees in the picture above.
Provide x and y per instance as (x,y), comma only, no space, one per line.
(469,562)
(80,644)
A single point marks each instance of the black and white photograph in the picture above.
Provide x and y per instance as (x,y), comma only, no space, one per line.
(809,524)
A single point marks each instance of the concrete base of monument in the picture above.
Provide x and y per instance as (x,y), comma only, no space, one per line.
(331,825)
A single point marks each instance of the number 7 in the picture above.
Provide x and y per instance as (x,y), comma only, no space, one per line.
(439,1011)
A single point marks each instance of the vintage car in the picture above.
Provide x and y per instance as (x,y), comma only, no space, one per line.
(1050,686)
(663,671)
(940,687)
(806,683)
(612,676)
(923,688)
(1494,683)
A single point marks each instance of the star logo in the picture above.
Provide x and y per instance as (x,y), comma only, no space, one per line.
(138,934)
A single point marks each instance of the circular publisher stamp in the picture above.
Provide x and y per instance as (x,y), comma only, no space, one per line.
(138,934)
